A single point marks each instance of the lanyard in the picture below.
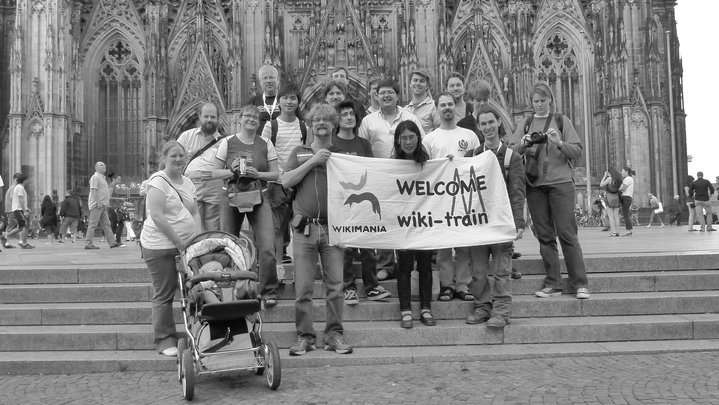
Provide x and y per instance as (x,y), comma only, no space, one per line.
(267,108)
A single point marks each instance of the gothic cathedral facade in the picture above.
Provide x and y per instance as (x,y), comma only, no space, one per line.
(90,80)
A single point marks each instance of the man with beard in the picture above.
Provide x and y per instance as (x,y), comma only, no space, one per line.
(307,173)
(449,140)
(378,128)
(267,103)
(201,146)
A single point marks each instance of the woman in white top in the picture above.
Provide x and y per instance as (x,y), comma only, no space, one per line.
(171,223)
(627,190)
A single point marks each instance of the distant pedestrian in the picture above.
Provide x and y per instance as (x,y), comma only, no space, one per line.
(20,210)
(98,202)
(70,212)
(611,182)
(627,191)
(48,210)
(674,210)
(691,206)
(702,189)
(657,209)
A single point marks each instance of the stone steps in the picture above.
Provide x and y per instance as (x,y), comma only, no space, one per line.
(389,334)
(105,361)
(698,280)
(523,306)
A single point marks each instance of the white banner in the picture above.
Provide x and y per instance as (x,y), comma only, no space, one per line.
(398,204)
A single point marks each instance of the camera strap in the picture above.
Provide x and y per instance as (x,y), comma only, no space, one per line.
(545,163)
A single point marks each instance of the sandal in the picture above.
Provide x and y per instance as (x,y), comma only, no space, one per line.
(406,321)
(427,319)
(446,294)
(465,296)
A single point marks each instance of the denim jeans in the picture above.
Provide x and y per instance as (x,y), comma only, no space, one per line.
(552,209)
(385,261)
(495,297)
(626,204)
(701,207)
(161,265)
(454,273)
(405,265)
(369,269)
(98,216)
(264,230)
(281,216)
(306,248)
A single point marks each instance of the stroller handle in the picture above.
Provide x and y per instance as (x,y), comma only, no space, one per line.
(222,276)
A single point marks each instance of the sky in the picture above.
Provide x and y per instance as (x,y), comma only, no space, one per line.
(697,22)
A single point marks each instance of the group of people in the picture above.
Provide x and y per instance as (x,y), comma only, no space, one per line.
(618,194)
(273,171)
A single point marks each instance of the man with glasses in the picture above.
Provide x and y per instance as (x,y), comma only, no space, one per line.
(201,145)
(267,103)
(378,128)
(307,173)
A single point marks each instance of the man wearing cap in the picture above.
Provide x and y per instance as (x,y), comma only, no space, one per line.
(422,105)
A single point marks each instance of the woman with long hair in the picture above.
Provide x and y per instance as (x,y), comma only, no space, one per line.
(627,190)
(611,182)
(171,223)
(550,190)
(690,203)
(657,210)
(48,210)
(408,146)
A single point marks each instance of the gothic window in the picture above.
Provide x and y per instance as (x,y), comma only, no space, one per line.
(118,131)
(558,66)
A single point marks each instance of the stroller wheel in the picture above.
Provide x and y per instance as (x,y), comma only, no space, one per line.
(272,364)
(181,347)
(188,375)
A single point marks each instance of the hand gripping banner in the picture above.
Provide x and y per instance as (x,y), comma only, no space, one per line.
(399,204)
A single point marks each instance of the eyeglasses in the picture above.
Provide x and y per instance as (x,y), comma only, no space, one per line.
(318,120)
(387,93)
(254,116)
(408,138)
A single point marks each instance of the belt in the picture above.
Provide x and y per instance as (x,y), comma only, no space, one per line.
(319,221)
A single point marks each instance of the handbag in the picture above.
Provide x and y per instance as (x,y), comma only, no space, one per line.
(277,194)
(244,195)
(613,200)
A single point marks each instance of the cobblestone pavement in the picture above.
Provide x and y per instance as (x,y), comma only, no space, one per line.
(679,378)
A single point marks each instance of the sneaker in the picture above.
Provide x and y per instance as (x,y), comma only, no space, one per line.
(301,346)
(497,321)
(118,245)
(27,246)
(711,229)
(337,344)
(377,293)
(583,293)
(90,246)
(477,317)
(548,292)
(351,297)
(170,351)
(60,241)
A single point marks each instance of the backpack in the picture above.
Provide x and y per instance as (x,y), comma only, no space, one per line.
(274,127)
(612,187)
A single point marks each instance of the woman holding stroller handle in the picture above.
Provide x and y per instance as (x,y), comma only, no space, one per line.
(172,221)
(408,145)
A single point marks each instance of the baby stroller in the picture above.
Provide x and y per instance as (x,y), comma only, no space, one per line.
(221,312)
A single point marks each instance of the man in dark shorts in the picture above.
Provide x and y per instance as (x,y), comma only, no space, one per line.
(20,210)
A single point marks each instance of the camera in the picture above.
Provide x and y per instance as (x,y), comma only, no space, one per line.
(537,137)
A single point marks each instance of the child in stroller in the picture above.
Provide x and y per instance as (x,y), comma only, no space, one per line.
(221,312)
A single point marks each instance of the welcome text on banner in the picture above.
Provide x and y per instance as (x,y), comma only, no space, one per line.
(399,204)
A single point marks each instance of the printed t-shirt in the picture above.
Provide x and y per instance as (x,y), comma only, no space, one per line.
(457,142)
(175,211)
